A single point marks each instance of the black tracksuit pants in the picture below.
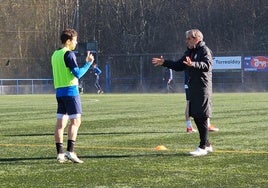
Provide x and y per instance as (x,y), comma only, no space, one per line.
(202,126)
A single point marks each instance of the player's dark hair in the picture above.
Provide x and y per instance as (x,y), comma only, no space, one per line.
(67,34)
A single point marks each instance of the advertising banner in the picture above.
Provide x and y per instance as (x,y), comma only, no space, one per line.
(256,63)
(227,62)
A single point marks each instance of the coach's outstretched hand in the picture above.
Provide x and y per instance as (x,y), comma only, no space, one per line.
(158,61)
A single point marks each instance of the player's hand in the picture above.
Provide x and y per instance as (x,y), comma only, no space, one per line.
(90,57)
(158,61)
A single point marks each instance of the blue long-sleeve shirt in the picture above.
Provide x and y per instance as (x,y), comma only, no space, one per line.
(97,70)
(70,61)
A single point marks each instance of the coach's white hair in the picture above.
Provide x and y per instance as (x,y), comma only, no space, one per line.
(195,33)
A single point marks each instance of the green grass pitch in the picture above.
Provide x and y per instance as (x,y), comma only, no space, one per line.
(117,139)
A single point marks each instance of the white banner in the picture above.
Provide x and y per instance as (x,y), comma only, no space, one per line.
(228,62)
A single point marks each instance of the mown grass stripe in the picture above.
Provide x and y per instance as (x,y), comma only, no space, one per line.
(136,148)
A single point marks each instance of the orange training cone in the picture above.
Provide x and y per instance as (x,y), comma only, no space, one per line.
(160,148)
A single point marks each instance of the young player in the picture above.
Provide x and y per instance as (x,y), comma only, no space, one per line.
(97,72)
(65,76)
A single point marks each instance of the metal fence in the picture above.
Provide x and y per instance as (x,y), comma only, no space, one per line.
(136,74)
(26,86)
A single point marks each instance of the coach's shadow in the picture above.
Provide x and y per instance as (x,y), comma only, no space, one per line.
(162,154)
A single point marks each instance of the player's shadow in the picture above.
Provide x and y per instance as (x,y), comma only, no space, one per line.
(16,160)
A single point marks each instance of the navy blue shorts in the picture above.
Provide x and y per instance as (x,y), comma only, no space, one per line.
(69,105)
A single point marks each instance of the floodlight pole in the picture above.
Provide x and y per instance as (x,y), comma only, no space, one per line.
(75,24)
(77,16)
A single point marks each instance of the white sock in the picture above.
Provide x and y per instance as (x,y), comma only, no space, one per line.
(208,120)
(188,124)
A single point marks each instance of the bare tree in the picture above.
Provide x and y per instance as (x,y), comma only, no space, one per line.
(30,28)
